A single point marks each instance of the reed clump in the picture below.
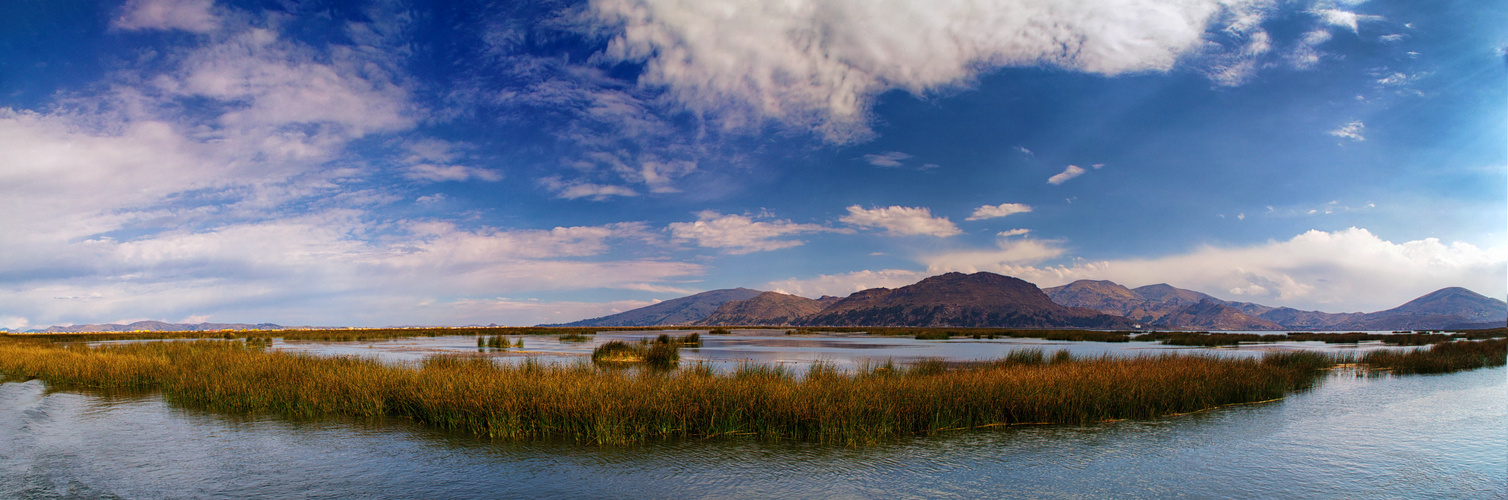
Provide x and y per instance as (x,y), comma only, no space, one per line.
(533,401)
(1441,357)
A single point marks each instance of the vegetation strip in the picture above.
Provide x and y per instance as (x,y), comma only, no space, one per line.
(591,405)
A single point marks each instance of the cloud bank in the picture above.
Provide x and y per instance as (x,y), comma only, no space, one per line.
(1349,270)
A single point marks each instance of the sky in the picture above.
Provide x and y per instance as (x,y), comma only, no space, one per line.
(456,163)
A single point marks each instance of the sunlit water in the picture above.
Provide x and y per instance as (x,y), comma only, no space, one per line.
(1440,436)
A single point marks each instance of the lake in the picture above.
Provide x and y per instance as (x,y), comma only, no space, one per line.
(1434,436)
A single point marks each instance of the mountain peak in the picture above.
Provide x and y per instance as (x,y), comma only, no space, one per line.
(961,300)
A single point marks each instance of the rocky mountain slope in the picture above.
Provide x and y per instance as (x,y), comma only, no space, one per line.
(961,300)
(769,309)
(683,311)
(1165,306)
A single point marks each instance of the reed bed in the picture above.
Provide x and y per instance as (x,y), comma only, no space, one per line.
(1442,357)
(583,403)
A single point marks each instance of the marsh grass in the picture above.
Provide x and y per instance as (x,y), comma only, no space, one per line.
(574,337)
(583,403)
(1441,357)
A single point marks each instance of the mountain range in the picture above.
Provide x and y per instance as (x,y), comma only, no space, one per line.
(992,300)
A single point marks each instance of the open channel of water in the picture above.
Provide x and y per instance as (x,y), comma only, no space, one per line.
(1423,436)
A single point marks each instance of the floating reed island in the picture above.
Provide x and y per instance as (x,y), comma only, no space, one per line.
(588,404)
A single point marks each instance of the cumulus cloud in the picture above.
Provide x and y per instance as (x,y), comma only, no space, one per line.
(739,234)
(1341,271)
(887,159)
(1352,130)
(820,64)
(1067,173)
(1001,210)
(187,15)
(901,221)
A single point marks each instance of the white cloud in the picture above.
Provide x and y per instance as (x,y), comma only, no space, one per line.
(1342,18)
(1342,271)
(1007,253)
(841,285)
(819,64)
(300,269)
(1001,210)
(1014,232)
(187,15)
(1352,130)
(270,83)
(739,234)
(887,159)
(1306,54)
(901,221)
(444,173)
(1068,173)
(571,190)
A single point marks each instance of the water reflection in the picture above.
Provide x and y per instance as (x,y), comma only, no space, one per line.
(726,352)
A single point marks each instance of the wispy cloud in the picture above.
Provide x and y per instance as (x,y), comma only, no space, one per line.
(887,159)
(901,221)
(739,234)
(1001,210)
(187,15)
(1352,130)
(444,173)
(1067,173)
(571,190)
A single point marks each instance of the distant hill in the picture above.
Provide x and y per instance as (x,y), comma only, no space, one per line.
(769,308)
(961,300)
(1211,314)
(683,311)
(1453,307)
(159,326)
(1165,306)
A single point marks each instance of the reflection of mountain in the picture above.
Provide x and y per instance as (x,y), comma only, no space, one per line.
(961,300)
(682,311)
(1164,306)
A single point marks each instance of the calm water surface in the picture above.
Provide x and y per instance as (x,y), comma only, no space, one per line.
(1442,436)
(775,348)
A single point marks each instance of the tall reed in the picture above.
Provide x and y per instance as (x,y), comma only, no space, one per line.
(585,404)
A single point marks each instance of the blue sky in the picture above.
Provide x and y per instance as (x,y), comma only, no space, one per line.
(393,163)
